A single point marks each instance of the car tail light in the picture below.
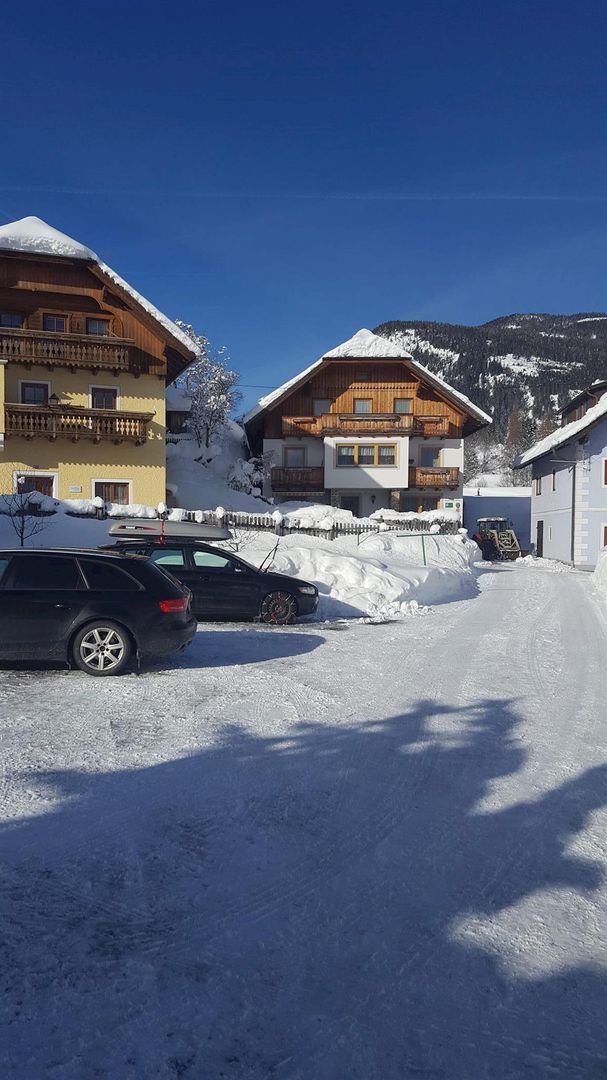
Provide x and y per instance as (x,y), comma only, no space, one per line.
(173,605)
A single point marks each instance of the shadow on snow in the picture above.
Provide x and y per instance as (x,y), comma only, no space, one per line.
(313,907)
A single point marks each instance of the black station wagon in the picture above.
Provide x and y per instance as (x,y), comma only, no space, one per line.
(95,611)
(223,585)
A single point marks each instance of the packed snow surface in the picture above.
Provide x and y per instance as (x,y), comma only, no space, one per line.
(373,852)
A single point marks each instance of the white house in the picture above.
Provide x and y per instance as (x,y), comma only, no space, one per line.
(366,427)
(569,483)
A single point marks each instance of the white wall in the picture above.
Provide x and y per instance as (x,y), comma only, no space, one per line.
(314,450)
(367,477)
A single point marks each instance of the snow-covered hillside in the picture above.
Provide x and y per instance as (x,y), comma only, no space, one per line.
(531,362)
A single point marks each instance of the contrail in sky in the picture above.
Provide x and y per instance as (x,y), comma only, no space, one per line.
(335,196)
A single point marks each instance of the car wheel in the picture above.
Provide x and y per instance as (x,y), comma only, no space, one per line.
(278,608)
(102,648)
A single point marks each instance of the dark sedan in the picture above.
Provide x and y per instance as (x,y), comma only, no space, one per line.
(223,586)
(95,611)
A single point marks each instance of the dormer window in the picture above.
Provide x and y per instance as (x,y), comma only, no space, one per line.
(55,324)
(11,320)
(98,327)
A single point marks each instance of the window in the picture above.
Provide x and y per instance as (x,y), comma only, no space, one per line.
(104,397)
(34,393)
(168,557)
(538,485)
(104,576)
(100,327)
(604,472)
(554,479)
(363,376)
(44,572)
(211,560)
(366,454)
(429,457)
(403,405)
(11,320)
(111,491)
(362,405)
(3,565)
(32,482)
(55,324)
(320,406)
(345,455)
(386,455)
(295,457)
(603,539)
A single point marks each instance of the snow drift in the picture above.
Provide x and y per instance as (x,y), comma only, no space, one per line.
(383,578)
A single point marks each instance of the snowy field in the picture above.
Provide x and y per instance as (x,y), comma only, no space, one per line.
(333,852)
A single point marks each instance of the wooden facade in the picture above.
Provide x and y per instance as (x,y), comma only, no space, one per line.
(72,336)
(38,285)
(365,433)
(344,383)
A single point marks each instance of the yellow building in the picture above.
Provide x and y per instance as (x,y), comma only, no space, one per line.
(84,362)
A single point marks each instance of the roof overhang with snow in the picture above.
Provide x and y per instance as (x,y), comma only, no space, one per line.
(562,436)
(366,346)
(32,237)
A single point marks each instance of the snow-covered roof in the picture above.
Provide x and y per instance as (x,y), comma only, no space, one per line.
(361,345)
(33,236)
(562,435)
(365,343)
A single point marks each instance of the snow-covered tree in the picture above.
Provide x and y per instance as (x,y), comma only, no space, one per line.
(250,476)
(211,386)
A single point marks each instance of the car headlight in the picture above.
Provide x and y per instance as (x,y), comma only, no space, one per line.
(309,590)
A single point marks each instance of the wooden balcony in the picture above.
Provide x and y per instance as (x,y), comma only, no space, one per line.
(303,479)
(68,350)
(423,477)
(71,422)
(357,424)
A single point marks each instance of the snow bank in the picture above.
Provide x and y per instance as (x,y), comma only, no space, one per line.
(531,562)
(381,579)
(599,577)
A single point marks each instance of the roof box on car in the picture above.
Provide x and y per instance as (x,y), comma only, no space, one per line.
(143,528)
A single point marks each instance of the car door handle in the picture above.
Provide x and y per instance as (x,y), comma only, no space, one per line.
(63,607)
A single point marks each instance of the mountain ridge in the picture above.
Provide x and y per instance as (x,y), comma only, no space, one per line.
(530,362)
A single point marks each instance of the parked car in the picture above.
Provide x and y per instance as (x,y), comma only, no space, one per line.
(223,585)
(92,610)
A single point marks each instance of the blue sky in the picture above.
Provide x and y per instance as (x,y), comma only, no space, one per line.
(281,174)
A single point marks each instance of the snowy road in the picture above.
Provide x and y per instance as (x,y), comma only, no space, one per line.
(348,852)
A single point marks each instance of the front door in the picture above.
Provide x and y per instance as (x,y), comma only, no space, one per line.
(351,503)
(539,539)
